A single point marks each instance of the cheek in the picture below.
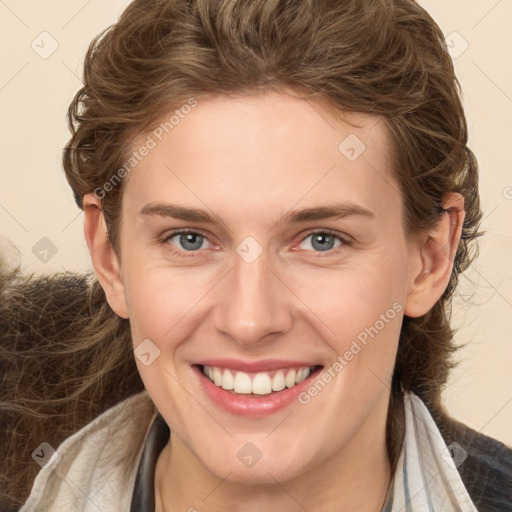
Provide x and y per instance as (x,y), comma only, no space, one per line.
(355,296)
(358,312)
(160,298)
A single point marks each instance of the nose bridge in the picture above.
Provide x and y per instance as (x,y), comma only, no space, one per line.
(253,303)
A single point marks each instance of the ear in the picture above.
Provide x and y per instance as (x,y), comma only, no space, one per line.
(103,257)
(433,257)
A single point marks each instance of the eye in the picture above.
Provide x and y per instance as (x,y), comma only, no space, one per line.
(186,241)
(325,240)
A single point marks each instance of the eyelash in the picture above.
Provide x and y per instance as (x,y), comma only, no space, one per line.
(345,241)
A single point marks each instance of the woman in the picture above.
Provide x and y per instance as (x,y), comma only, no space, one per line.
(279,199)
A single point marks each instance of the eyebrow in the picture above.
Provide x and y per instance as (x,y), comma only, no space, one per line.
(335,212)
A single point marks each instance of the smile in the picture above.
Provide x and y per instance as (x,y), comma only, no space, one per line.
(254,388)
(261,383)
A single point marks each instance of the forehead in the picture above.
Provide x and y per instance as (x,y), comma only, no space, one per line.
(264,154)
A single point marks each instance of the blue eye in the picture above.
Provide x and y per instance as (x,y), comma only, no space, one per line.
(189,242)
(324,240)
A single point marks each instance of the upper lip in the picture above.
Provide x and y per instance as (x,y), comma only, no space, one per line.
(263,365)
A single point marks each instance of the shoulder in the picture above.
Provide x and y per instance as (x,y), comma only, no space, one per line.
(485,464)
(96,467)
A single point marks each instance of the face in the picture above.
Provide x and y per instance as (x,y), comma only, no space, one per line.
(303,264)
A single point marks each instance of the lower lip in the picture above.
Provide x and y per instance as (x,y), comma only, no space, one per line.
(252,405)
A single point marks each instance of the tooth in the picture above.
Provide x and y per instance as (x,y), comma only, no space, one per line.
(217,376)
(278,382)
(261,384)
(227,380)
(290,378)
(242,383)
(301,375)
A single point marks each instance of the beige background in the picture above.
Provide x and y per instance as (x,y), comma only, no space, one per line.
(35,201)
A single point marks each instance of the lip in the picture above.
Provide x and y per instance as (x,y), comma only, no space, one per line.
(252,405)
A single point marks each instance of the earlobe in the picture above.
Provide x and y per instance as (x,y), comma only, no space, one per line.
(433,258)
(103,257)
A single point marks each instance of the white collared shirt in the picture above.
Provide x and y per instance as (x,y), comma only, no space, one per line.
(95,469)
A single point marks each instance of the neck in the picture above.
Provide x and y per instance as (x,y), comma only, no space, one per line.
(356,477)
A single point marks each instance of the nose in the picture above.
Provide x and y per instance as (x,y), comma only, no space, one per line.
(254,303)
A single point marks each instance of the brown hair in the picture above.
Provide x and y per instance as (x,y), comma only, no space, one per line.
(381,57)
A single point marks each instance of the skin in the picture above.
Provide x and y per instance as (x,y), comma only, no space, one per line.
(251,160)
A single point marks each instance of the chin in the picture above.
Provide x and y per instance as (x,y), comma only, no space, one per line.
(261,473)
